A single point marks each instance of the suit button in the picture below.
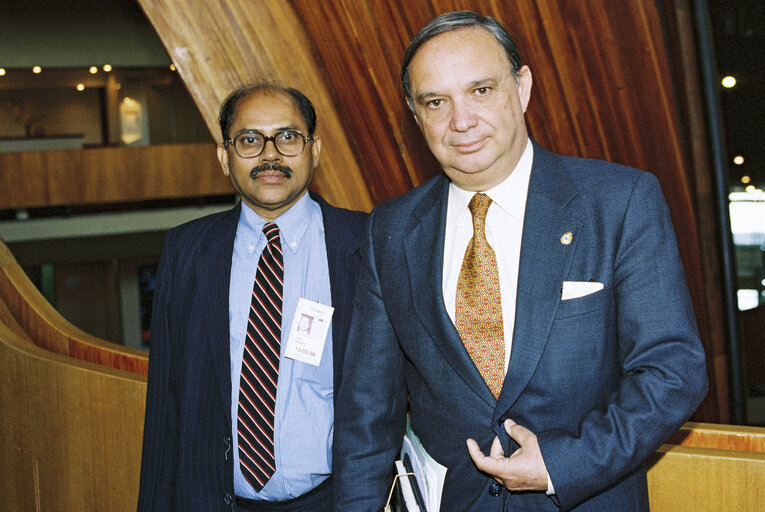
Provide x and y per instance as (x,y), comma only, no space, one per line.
(227,440)
(228,499)
(501,425)
(495,489)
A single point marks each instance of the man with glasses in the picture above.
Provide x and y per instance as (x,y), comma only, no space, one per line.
(239,412)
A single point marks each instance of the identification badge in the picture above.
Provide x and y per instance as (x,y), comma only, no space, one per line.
(308,332)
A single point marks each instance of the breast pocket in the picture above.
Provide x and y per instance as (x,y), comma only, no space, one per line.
(583,305)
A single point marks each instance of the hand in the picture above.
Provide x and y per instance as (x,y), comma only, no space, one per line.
(524,470)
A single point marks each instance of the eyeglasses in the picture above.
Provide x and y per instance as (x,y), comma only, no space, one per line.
(249,144)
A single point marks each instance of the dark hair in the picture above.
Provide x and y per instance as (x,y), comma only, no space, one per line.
(228,108)
(454,21)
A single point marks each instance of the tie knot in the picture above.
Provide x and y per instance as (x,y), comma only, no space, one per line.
(271,231)
(478,206)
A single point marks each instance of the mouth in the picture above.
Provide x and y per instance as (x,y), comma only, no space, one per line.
(469,146)
(271,171)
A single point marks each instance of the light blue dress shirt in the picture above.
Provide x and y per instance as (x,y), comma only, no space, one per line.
(304,411)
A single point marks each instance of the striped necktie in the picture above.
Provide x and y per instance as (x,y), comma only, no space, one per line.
(478,316)
(260,365)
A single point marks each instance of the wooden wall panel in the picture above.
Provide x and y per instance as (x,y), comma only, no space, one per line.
(217,45)
(683,479)
(603,88)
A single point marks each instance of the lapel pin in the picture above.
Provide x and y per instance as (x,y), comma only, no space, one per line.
(566,238)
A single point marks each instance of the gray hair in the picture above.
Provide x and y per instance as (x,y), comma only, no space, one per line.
(454,21)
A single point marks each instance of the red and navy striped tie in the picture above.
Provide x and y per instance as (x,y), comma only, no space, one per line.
(260,365)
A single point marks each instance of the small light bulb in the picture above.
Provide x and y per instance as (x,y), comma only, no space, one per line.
(728,82)
(36,69)
(93,70)
(80,87)
(172,67)
(738,159)
(745,179)
(2,71)
(107,67)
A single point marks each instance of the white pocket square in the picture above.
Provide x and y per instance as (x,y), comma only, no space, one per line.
(576,289)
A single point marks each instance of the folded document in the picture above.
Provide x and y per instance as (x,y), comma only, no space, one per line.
(420,478)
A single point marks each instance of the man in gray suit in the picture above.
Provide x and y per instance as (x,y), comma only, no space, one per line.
(531,307)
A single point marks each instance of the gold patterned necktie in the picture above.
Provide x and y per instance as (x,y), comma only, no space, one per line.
(478,316)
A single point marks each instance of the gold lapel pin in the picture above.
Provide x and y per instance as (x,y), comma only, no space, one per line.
(566,238)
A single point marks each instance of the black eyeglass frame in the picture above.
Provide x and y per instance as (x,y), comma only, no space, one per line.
(266,139)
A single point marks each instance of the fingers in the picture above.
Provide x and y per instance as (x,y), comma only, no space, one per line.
(496,449)
(475,452)
(520,434)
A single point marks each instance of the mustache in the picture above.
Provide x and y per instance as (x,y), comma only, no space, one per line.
(270,166)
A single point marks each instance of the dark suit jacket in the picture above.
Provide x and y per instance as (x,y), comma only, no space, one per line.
(187,461)
(602,380)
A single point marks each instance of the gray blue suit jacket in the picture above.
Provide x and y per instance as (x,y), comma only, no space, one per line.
(602,380)
(187,463)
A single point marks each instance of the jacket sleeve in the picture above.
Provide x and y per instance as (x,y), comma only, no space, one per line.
(371,406)
(160,434)
(663,373)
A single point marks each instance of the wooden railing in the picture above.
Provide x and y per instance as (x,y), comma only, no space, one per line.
(32,179)
(709,467)
(72,409)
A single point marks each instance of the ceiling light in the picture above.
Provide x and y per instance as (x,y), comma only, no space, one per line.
(80,87)
(738,159)
(107,67)
(93,70)
(36,69)
(728,82)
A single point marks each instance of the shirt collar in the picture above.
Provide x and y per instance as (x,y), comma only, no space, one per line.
(293,223)
(510,194)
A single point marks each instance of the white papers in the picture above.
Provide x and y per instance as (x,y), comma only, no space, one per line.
(407,493)
(429,473)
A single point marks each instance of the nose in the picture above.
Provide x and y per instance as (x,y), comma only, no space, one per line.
(463,117)
(270,153)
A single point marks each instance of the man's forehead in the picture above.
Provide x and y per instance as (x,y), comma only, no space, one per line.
(465,56)
(270,108)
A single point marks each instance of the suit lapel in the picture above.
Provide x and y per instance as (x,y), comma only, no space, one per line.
(544,262)
(424,249)
(213,272)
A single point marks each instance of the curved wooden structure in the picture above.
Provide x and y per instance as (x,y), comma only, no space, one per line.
(71,406)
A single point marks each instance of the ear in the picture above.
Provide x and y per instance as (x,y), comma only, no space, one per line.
(414,113)
(316,149)
(223,158)
(524,86)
